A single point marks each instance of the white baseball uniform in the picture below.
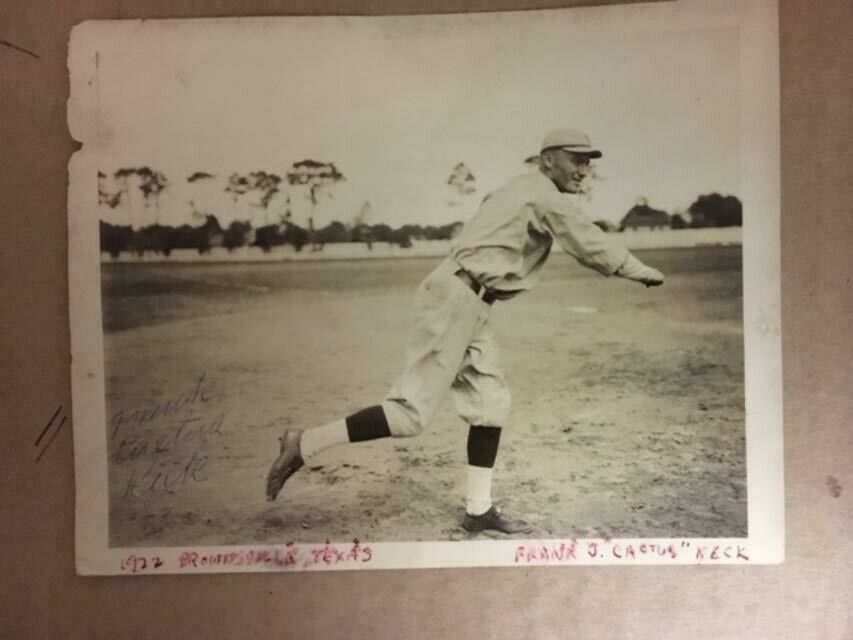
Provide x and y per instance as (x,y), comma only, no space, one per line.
(503,248)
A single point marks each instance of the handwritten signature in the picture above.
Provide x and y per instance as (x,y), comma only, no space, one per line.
(123,420)
(165,443)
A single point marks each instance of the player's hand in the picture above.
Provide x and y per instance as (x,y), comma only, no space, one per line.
(652,278)
(635,270)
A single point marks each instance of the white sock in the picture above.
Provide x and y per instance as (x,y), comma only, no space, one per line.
(319,438)
(479,499)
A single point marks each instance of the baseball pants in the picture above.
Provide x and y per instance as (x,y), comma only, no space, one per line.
(450,349)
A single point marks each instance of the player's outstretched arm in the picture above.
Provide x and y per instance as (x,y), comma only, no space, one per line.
(579,237)
(633,269)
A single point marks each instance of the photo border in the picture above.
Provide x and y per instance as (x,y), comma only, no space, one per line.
(760,191)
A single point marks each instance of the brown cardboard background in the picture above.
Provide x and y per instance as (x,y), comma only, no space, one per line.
(807,597)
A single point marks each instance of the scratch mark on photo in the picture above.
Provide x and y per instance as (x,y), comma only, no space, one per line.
(50,441)
(21,49)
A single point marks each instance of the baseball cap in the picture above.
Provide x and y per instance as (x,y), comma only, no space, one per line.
(570,140)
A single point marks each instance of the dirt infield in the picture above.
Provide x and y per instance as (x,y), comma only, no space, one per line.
(627,421)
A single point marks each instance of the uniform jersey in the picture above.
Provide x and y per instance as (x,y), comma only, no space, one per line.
(506,243)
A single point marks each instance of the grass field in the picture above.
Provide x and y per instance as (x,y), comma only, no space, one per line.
(627,419)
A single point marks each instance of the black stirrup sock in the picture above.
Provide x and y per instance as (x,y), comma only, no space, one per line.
(483,445)
(368,424)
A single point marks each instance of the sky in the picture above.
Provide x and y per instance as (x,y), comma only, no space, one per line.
(397,102)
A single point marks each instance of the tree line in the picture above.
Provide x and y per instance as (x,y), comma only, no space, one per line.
(314,180)
(708,210)
(163,239)
(257,189)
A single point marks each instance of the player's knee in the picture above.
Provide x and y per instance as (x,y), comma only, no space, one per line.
(407,429)
(497,411)
(402,423)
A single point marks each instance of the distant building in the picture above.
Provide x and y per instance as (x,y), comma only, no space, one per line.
(642,216)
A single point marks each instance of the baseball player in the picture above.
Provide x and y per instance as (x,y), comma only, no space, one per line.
(498,255)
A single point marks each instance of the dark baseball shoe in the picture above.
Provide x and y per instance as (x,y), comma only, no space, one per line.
(289,461)
(494,520)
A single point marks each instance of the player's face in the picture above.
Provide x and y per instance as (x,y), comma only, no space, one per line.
(567,169)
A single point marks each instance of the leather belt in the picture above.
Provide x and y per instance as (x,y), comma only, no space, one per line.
(484,293)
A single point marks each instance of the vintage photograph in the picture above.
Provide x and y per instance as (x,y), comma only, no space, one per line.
(427,279)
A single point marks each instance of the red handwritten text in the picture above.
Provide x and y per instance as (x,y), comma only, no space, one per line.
(330,554)
(287,557)
(721,552)
(552,552)
(607,549)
